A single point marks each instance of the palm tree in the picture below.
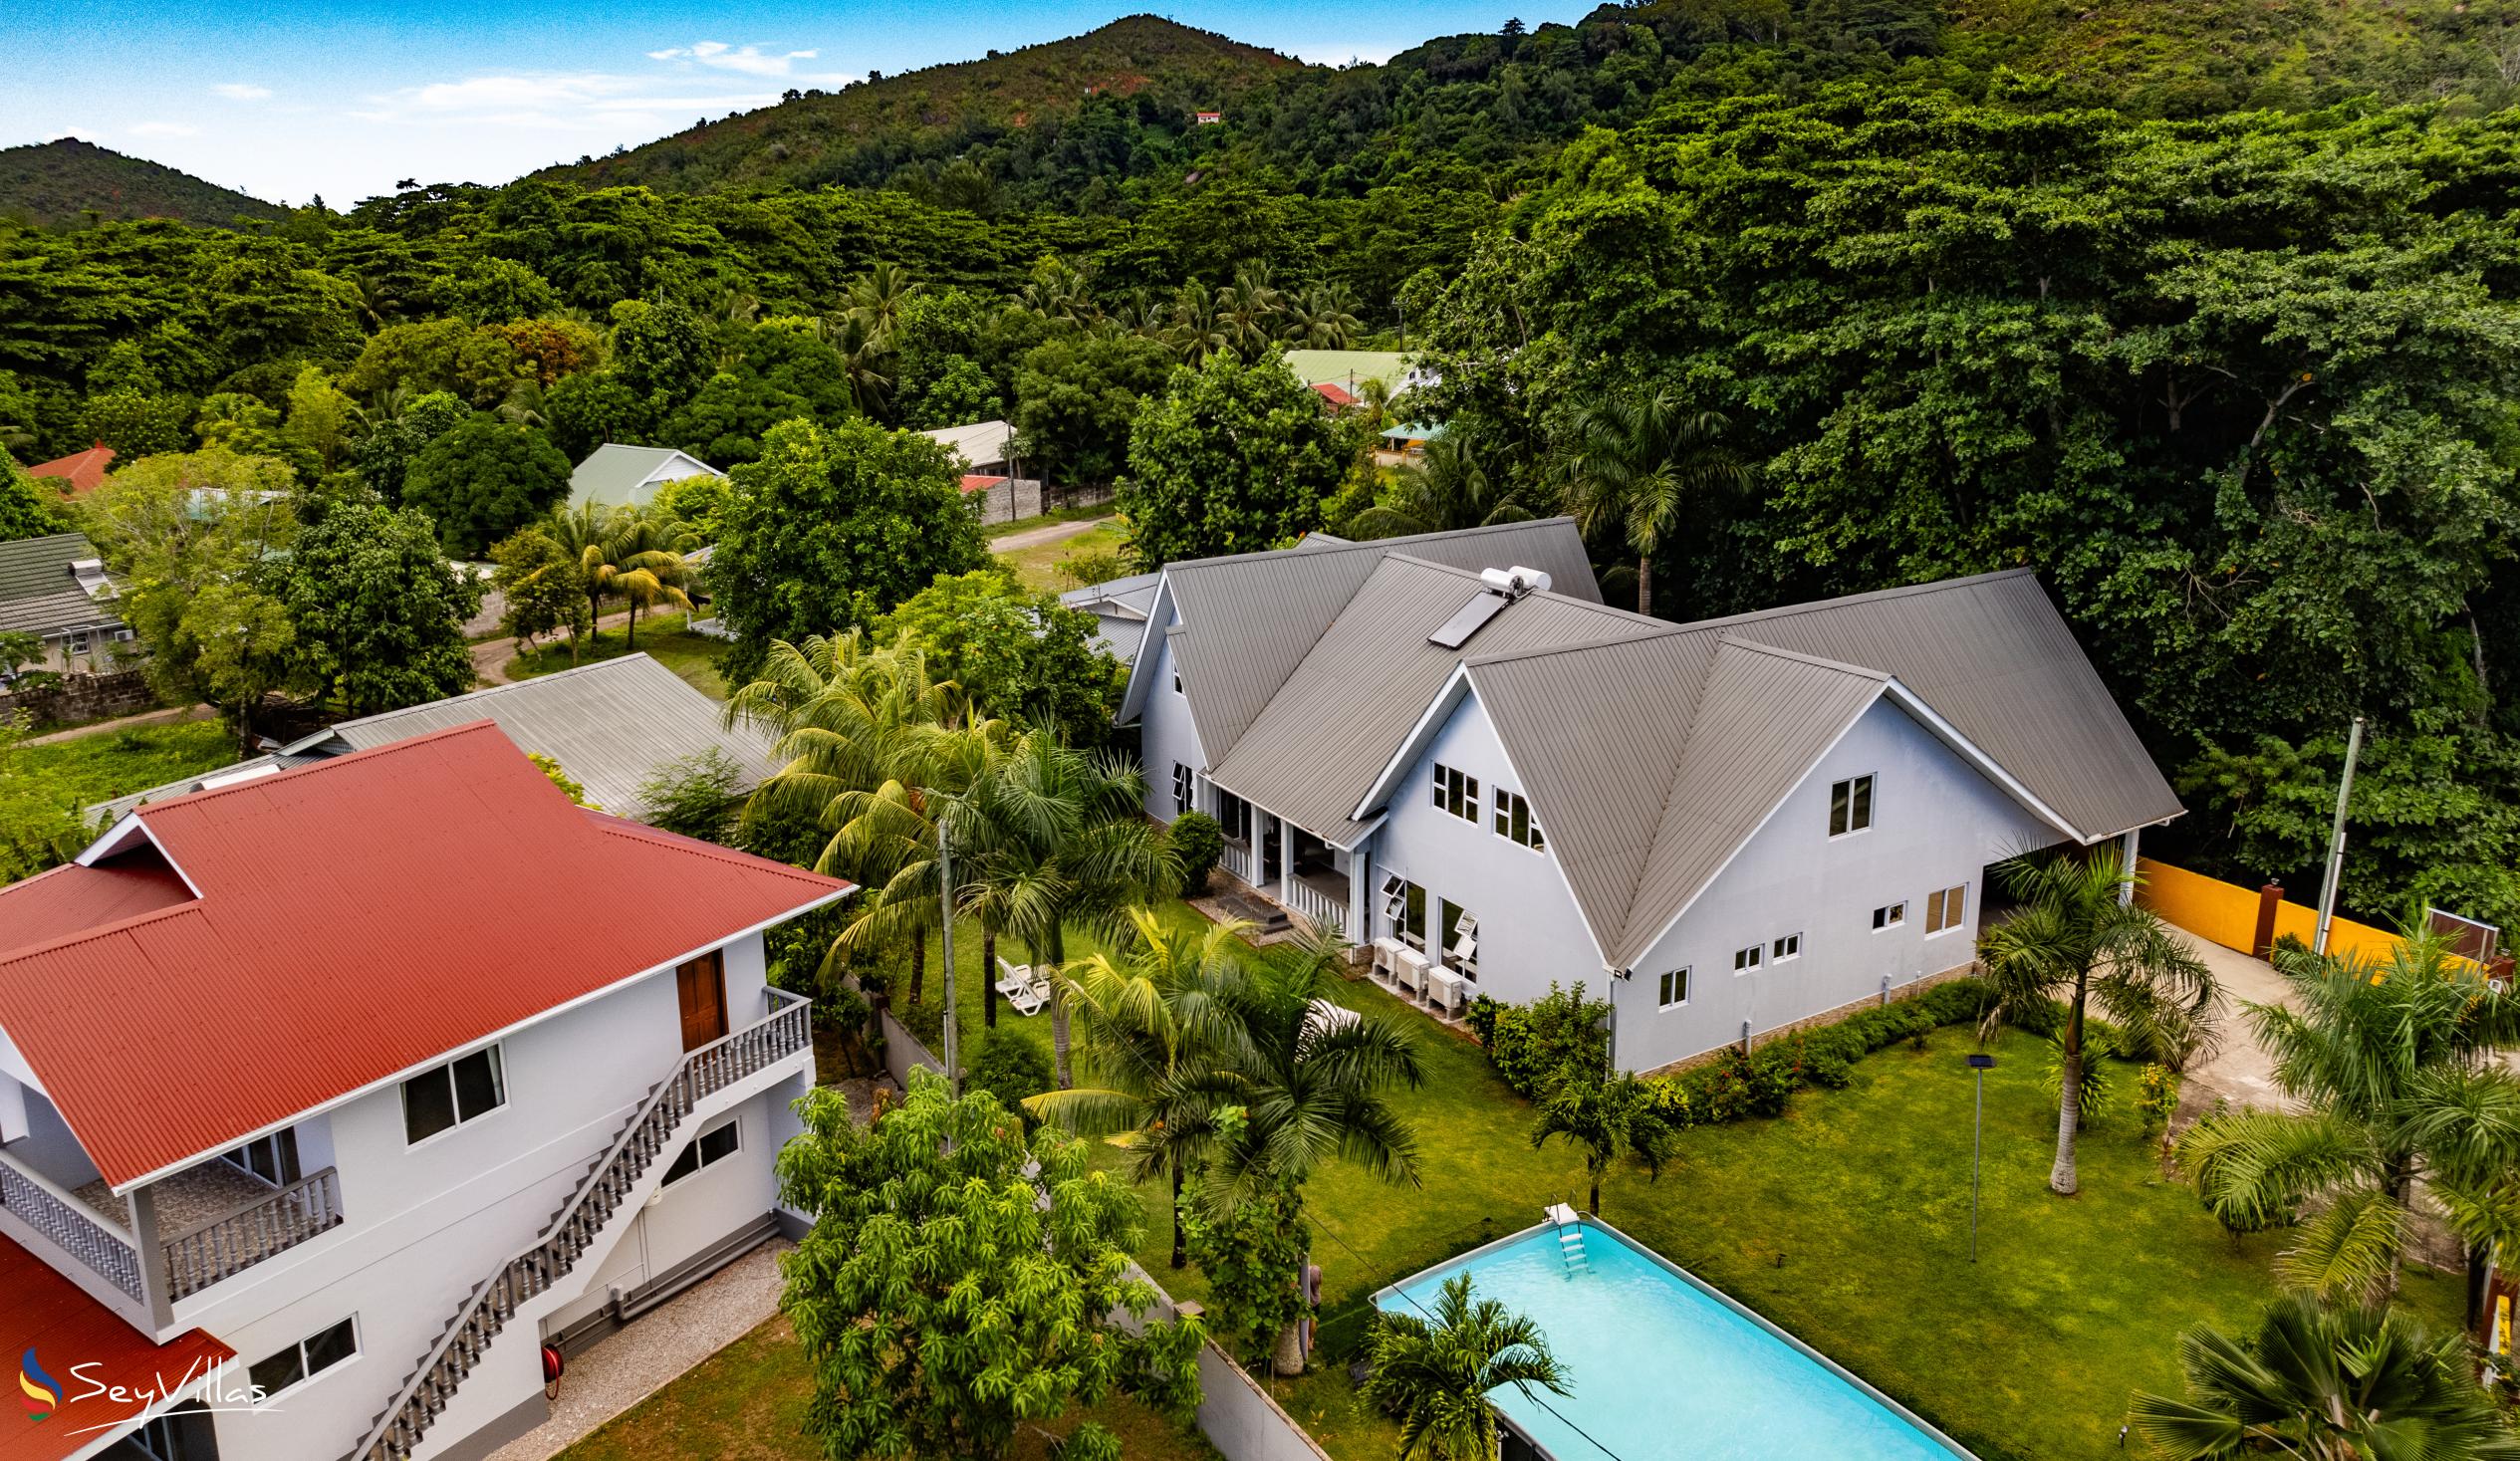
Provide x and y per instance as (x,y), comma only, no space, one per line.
(863,356)
(1058,838)
(1194,328)
(2075,939)
(1059,292)
(877,296)
(1156,1021)
(585,533)
(2393,1060)
(1636,461)
(639,557)
(889,840)
(1609,1115)
(2327,1383)
(1448,490)
(1247,310)
(1438,1371)
(1320,317)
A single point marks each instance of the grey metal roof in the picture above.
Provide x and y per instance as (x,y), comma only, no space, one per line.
(1132,597)
(610,725)
(1248,621)
(1317,747)
(38,593)
(979,444)
(101,813)
(615,474)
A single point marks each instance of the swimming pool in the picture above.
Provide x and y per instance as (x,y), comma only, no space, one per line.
(1661,1366)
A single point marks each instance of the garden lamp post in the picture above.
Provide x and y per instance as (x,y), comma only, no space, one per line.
(1981,1063)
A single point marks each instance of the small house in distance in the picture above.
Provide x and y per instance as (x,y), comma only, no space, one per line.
(77,474)
(618,476)
(54,587)
(990,481)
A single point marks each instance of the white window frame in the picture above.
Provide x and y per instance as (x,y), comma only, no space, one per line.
(1937,906)
(1506,804)
(1889,915)
(1748,961)
(1177,676)
(1673,981)
(1448,781)
(1785,949)
(1871,796)
(498,1075)
(701,1160)
(307,1375)
(1185,788)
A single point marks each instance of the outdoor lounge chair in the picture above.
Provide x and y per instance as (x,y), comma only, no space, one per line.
(1025,990)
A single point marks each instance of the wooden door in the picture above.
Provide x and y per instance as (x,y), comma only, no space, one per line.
(700,988)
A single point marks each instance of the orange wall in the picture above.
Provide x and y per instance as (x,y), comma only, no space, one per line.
(2226,913)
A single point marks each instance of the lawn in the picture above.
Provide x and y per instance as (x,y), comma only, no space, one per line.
(747,1403)
(117,763)
(1083,513)
(660,637)
(1845,1221)
(1037,567)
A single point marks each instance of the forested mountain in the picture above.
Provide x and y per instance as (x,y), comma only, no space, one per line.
(59,183)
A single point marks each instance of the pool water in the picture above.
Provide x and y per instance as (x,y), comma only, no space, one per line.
(1662,1369)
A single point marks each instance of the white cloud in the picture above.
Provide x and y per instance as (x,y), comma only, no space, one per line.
(161,129)
(242,92)
(578,100)
(748,59)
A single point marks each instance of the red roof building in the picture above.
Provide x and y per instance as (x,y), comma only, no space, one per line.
(49,1321)
(979,481)
(1337,396)
(82,472)
(274,946)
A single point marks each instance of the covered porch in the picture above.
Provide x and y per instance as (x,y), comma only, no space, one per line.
(1288,868)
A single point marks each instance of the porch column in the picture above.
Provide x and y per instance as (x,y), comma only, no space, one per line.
(2126,887)
(1358,881)
(1286,860)
(153,1258)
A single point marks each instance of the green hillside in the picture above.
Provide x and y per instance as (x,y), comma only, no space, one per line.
(1150,65)
(56,184)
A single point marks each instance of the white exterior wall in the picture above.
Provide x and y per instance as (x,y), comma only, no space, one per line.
(1937,823)
(426,1224)
(1530,931)
(1166,732)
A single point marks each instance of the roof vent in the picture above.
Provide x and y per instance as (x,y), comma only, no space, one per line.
(1500,587)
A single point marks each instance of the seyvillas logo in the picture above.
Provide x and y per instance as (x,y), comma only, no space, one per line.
(41,1394)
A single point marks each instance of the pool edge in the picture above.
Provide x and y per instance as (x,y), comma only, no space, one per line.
(1924,1426)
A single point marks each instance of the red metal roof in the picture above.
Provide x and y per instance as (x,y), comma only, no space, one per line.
(1335,393)
(46,1315)
(979,481)
(84,470)
(357,918)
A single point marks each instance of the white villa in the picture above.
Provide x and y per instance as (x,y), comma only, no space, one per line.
(614,475)
(328,1098)
(1449,748)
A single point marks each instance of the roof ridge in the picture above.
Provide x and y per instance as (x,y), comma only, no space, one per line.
(124,924)
(406,743)
(623,827)
(1383,543)
(1873,596)
(484,691)
(1625,615)
(1864,671)
(1506,656)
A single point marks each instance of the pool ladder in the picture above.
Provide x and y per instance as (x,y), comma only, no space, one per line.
(1570,1238)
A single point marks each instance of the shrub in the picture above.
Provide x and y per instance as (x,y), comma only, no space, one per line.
(1530,1043)
(1012,1068)
(1733,1085)
(1481,1018)
(1198,841)
(695,795)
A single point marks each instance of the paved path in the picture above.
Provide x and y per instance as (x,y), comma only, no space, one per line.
(654,1350)
(127,722)
(490,657)
(2240,1070)
(1049,532)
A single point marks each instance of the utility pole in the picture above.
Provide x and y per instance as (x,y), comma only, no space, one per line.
(2335,841)
(945,897)
(1979,1062)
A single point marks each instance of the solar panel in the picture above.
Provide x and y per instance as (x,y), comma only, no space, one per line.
(1468,620)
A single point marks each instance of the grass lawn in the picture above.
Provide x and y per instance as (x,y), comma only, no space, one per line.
(106,764)
(1037,567)
(747,1403)
(1082,513)
(661,638)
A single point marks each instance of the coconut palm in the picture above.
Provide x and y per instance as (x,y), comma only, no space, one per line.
(1319,317)
(1156,1022)
(1057,839)
(2322,1382)
(1448,490)
(2075,939)
(864,360)
(889,836)
(1436,1371)
(1609,1114)
(878,297)
(1247,310)
(1634,462)
(2393,1062)
(640,558)
(584,531)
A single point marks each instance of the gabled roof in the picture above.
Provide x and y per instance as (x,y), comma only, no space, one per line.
(617,475)
(82,471)
(347,923)
(980,444)
(39,593)
(1335,394)
(1129,597)
(52,1318)
(1247,621)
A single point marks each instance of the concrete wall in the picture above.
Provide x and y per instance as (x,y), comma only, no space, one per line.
(903,1054)
(1937,823)
(1012,500)
(426,1223)
(1530,931)
(1240,1418)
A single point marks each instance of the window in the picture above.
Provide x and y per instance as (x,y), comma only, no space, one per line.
(715,1146)
(1745,960)
(1404,906)
(1946,909)
(1233,814)
(1675,989)
(1463,929)
(1176,678)
(1850,806)
(182,1434)
(1788,947)
(314,1355)
(1184,788)
(1889,915)
(451,1095)
(274,1158)
(1458,794)
(1514,821)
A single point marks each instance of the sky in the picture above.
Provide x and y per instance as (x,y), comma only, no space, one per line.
(289,100)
